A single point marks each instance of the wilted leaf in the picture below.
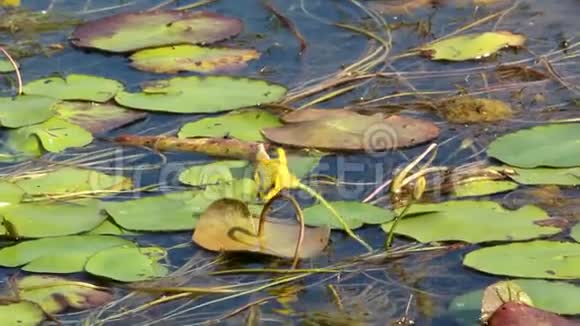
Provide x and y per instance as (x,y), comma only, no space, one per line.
(354,213)
(467,109)
(24,313)
(536,259)
(31,220)
(95,117)
(472,46)
(56,294)
(173,59)
(196,94)
(133,31)
(243,125)
(471,221)
(547,176)
(495,295)
(518,314)
(25,110)
(554,145)
(482,187)
(227,225)
(69,180)
(57,255)
(127,263)
(56,134)
(355,133)
(75,87)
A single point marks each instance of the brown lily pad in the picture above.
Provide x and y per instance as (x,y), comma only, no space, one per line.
(95,117)
(518,314)
(133,31)
(228,225)
(355,132)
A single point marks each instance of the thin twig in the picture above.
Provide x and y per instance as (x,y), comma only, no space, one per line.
(16,69)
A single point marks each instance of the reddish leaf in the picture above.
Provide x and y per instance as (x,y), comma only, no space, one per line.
(517,314)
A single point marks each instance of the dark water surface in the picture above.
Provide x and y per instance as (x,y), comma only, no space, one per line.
(374,294)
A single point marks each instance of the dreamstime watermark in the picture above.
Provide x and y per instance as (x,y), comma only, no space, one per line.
(380,139)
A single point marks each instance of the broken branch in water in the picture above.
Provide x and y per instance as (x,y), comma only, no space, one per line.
(219,147)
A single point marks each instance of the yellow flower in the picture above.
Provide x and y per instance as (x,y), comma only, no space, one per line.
(273,175)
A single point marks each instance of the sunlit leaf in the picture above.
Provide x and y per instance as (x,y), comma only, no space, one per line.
(354,213)
(56,134)
(56,294)
(57,255)
(95,117)
(482,187)
(25,110)
(196,94)
(227,225)
(536,259)
(244,125)
(75,87)
(173,59)
(24,313)
(127,263)
(471,221)
(137,30)
(32,220)
(9,194)
(554,145)
(472,46)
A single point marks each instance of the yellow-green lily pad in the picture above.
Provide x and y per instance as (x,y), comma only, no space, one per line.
(75,87)
(127,263)
(56,134)
(23,313)
(25,110)
(482,187)
(355,214)
(547,176)
(6,66)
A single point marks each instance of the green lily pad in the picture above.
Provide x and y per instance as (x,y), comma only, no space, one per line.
(354,213)
(472,46)
(536,259)
(75,87)
(554,145)
(196,94)
(547,176)
(56,294)
(9,194)
(354,132)
(19,146)
(95,117)
(6,66)
(56,134)
(137,30)
(575,232)
(483,187)
(243,125)
(109,228)
(472,221)
(213,173)
(127,263)
(23,313)
(173,59)
(558,297)
(31,220)
(301,165)
(57,255)
(168,212)
(244,190)
(25,110)
(69,180)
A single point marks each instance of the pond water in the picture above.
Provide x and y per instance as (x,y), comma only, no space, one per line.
(368,293)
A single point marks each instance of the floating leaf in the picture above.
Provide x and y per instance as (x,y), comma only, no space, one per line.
(127,263)
(109,228)
(6,66)
(227,225)
(133,31)
(9,194)
(75,87)
(355,133)
(69,180)
(471,221)
(243,125)
(536,259)
(554,145)
(472,46)
(482,188)
(245,190)
(196,94)
(19,146)
(519,314)
(168,212)
(31,220)
(57,255)
(56,134)
(95,117)
(467,109)
(212,173)
(24,313)
(56,294)
(354,213)
(25,110)
(557,297)
(173,59)
(301,165)
(547,176)
(495,295)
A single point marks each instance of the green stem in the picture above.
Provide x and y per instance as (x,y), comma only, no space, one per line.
(391,236)
(341,220)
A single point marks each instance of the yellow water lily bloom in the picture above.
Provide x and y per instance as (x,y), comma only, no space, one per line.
(273,175)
